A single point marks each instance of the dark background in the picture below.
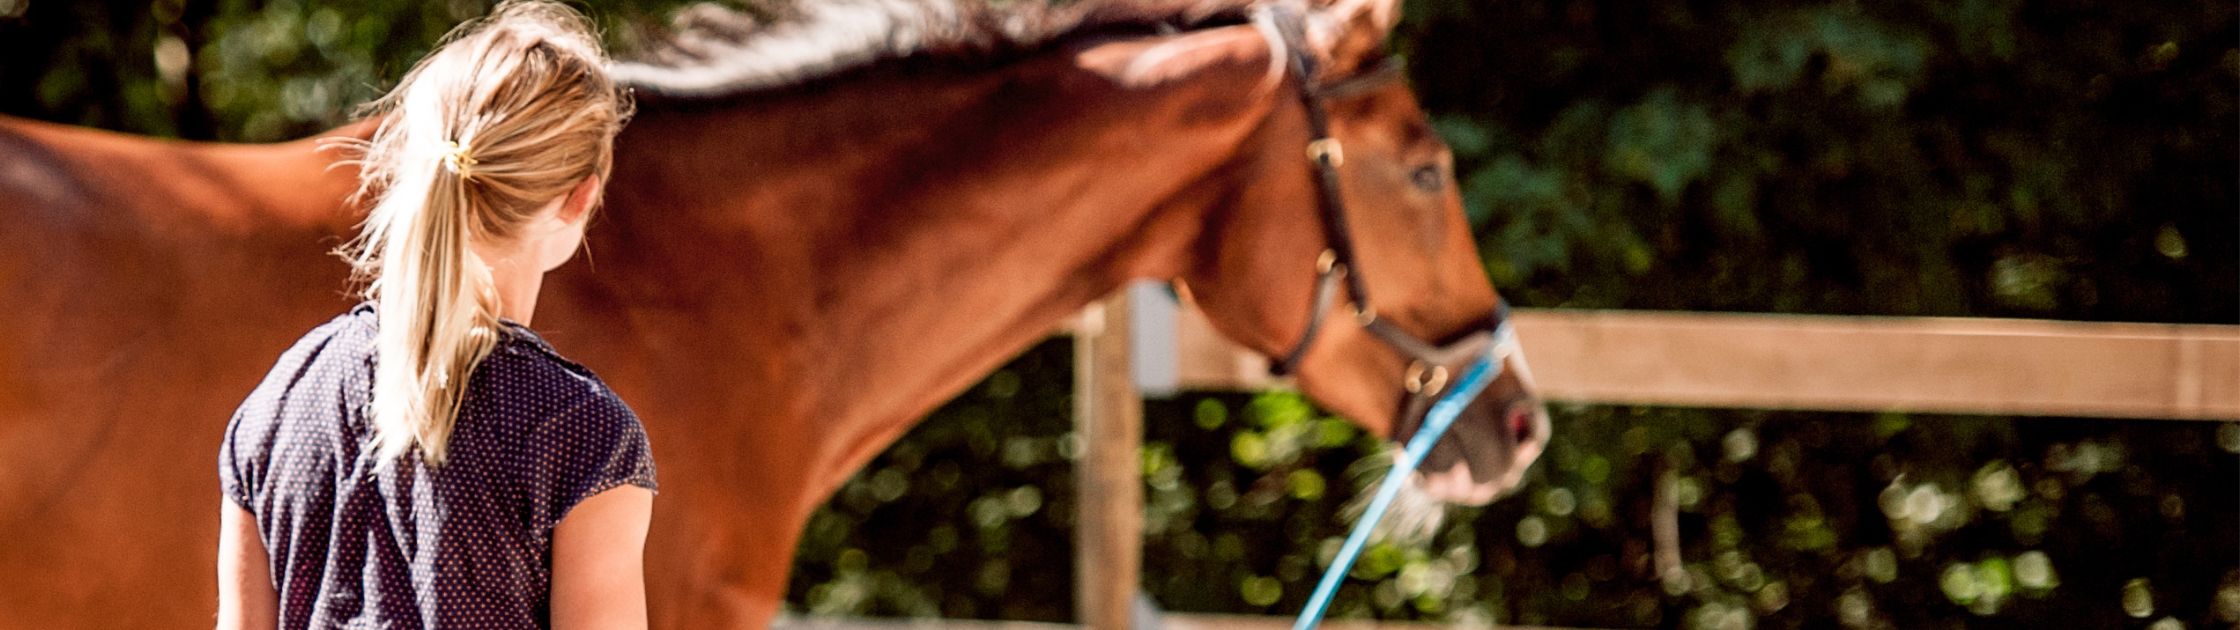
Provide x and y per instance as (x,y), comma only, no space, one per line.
(2059,159)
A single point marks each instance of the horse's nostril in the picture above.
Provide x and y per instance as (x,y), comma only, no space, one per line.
(1520,423)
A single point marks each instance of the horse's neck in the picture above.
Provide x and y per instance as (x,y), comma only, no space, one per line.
(902,237)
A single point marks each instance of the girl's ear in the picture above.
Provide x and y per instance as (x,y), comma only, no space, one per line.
(580,200)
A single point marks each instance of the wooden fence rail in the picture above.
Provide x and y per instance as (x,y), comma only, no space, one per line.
(1933,365)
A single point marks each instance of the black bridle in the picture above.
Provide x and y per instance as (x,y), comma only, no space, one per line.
(1427,373)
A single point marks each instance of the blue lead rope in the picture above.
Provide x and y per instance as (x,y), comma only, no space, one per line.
(1435,423)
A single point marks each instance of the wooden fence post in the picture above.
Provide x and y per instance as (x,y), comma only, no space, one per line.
(1108,419)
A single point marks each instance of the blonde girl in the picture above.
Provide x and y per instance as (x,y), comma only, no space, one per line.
(425,460)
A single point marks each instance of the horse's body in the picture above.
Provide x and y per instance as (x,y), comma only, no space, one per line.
(780,285)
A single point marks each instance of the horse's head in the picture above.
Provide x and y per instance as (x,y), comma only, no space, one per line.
(1368,287)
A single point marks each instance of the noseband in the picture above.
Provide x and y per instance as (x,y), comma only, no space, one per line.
(1427,373)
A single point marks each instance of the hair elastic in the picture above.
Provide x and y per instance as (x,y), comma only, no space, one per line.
(459,158)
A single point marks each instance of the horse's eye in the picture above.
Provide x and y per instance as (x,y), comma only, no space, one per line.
(1427,178)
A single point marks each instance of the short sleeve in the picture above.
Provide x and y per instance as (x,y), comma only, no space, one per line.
(236,474)
(593,447)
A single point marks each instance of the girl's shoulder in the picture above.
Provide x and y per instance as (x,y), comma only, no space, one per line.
(320,357)
(557,413)
(525,375)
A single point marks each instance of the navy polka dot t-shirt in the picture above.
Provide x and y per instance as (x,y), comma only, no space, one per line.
(465,545)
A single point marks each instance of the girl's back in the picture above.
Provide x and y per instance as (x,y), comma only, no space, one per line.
(354,536)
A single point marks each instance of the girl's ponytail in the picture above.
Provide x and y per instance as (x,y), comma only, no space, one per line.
(511,113)
(437,310)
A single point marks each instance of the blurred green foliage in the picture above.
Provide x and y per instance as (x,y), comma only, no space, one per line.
(2067,159)
(2062,159)
(238,70)
(969,516)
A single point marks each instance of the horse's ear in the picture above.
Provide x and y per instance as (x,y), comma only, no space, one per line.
(1354,30)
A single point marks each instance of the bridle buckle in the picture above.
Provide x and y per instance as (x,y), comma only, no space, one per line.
(1425,381)
(1327,151)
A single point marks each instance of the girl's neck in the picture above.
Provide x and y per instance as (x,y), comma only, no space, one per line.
(516,286)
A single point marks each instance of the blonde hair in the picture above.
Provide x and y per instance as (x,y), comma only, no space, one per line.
(509,113)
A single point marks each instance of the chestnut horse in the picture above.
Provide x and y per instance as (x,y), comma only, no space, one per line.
(817,231)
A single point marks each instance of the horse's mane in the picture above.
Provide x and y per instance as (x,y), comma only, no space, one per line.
(716,51)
